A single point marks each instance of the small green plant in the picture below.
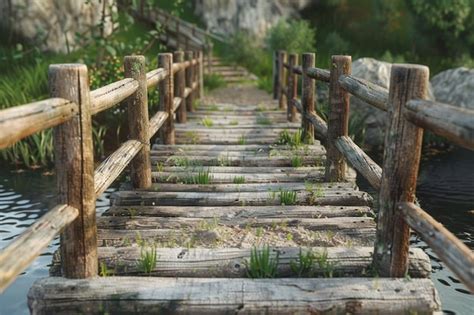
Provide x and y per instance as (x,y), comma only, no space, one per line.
(289,236)
(160,167)
(203,177)
(325,265)
(296,161)
(213,108)
(224,160)
(207,122)
(234,122)
(191,137)
(104,270)
(262,264)
(239,180)
(263,121)
(294,140)
(208,225)
(259,232)
(304,266)
(242,140)
(213,81)
(287,197)
(147,260)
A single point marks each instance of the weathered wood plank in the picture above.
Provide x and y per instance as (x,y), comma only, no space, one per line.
(156,122)
(307,97)
(292,87)
(360,161)
(20,253)
(454,123)
(179,89)
(371,93)
(319,74)
(155,76)
(114,164)
(112,94)
(344,198)
(241,211)
(165,61)
(230,262)
(19,122)
(452,251)
(147,295)
(230,148)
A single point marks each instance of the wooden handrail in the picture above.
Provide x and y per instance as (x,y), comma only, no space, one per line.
(70,90)
(371,93)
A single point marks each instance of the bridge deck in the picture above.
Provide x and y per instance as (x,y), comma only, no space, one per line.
(204,232)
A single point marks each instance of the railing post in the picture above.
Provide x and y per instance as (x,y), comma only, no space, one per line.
(282,58)
(276,78)
(200,74)
(307,97)
(74,162)
(177,36)
(338,118)
(189,81)
(165,61)
(400,170)
(209,57)
(179,85)
(292,88)
(138,121)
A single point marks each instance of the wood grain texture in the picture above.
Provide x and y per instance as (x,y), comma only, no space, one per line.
(112,94)
(114,164)
(138,122)
(400,169)
(146,295)
(156,122)
(74,164)
(179,86)
(371,93)
(20,253)
(282,58)
(154,77)
(319,124)
(454,123)
(338,118)
(19,122)
(308,99)
(360,161)
(452,251)
(319,74)
(167,135)
(189,80)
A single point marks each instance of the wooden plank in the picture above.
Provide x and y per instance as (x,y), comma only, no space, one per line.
(250,170)
(452,251)
(155,76)
(114,164)
(402,153)
(292,87)
(338,118)
(176,103)
(179,89)
(165,61)
(138,124)
(319,74)
(189,79)
(156,122)
(229,148)
(74,165)
(307,97)
(241,211)
(454,123)
(19,122)
(230,262)
(147,198)
(20,253)
(112,94)
(371,93)
(146,295)
(360,161)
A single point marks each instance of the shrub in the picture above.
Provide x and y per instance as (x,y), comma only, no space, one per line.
(293,36)
(336,44)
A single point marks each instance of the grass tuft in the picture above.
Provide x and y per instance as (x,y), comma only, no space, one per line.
(147,260)
(287,197)
(262,264)
(239,180)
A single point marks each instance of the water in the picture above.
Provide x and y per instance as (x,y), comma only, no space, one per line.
(446,190)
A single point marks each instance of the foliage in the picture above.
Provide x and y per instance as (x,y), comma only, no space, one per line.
(328,267)
(201,178)
(207,122)
(239,180)
(287,198)
(296,161)
(213,81)
(295,36)
(336,44)
(262,264)
(294,140)
(304,265)
(147,261)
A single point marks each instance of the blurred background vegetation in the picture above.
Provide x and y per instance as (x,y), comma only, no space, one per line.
(437,33)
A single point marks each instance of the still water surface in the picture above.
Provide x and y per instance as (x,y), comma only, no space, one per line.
(446,189)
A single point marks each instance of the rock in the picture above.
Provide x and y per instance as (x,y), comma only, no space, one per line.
(455,87)
(377,72)
(53,24)
(252,16)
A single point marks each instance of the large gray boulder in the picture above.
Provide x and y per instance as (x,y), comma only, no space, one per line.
(377,72)
(455,87)
(252,16)
(53,24)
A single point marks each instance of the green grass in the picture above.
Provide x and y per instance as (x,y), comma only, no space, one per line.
(213,81)
(207,122)
(104,271)
(287,197)
(242,140)
(304,266)
(264,121)
(296,161)
(295,140)
(239,180)
(325,265)
(234,122)
(262,264)
(147,261)
(203,177)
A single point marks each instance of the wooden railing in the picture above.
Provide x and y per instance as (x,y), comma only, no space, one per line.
(69,111)
(408,114)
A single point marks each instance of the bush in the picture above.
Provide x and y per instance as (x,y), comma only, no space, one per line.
(294,37)
(213,81)
(336,44)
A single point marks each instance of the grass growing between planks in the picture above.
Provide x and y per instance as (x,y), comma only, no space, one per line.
(147,260)
(262,264)
(201,178)
(295,140)
(239,180)
(207,122)
(287,197)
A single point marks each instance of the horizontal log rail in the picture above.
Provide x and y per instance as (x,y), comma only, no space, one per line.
(453,252)
(21,252)
(408,111)
(70,111)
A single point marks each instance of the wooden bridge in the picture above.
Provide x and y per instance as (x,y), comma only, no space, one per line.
(243,204)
